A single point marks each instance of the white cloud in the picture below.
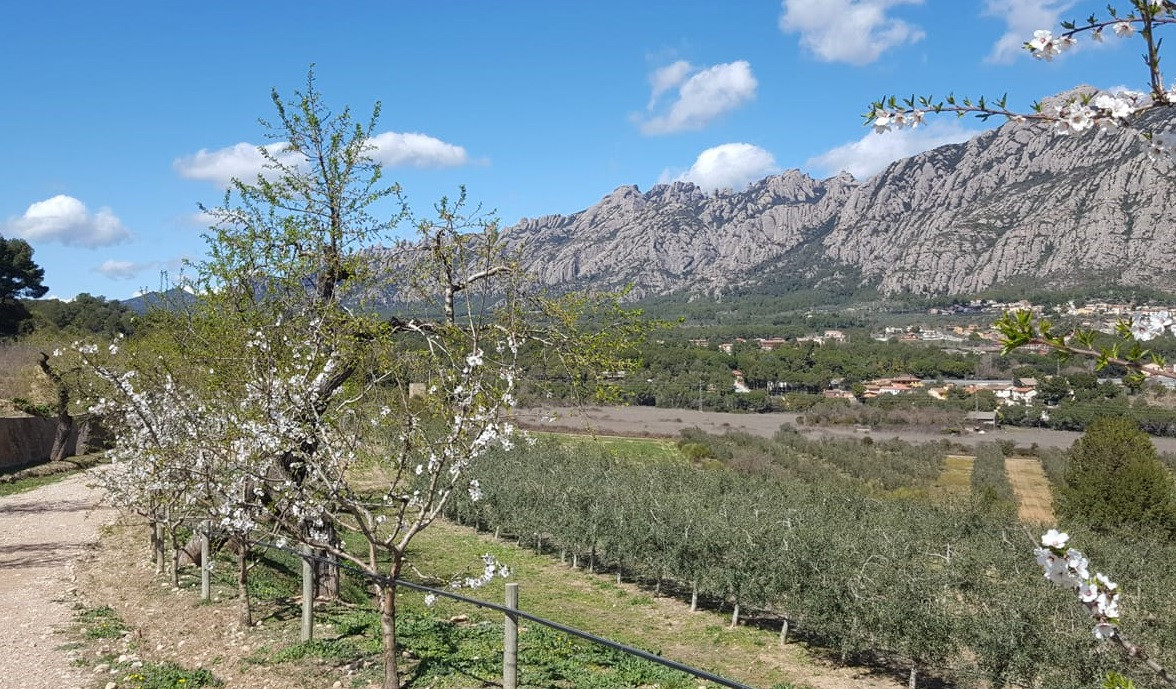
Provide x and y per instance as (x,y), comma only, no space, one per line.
(66,220)
(200,219)
(873,152)
(121,270)
(702,97)
(665,78)
(244,161)
(1022,18)
(116,269)
(729,166)
(416,150)
(853,31)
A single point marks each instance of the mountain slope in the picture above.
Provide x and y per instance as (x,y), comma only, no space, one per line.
(1017,202)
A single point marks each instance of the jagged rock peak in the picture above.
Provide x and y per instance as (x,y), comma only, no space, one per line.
(1018,202)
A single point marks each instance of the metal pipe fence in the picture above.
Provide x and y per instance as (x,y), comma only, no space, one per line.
(512,614)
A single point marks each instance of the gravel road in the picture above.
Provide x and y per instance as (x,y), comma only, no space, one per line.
(43,535)
(669,422)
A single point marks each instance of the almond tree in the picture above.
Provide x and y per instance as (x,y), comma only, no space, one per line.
(328,418)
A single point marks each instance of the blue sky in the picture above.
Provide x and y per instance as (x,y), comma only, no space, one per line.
(120,117)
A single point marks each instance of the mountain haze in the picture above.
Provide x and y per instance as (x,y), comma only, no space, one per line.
(1014,203)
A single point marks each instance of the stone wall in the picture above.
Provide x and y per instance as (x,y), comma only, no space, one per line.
(28,440)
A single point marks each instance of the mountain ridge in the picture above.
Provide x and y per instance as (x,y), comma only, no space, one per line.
(1012,203)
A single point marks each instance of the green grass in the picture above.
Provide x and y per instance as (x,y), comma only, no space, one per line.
(454,645)
(26,479)
(956,477)
(165,676)
(596,604)
(27,484)
(100,623)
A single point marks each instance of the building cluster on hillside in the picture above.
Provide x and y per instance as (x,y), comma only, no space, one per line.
(986,306)
(768,344)
(1007,393)
(970,338)
(913,335)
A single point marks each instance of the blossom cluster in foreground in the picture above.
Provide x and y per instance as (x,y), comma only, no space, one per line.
(1106,110)
(1069,568)
(1148,326)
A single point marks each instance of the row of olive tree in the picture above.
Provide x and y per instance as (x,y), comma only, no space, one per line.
(941,588)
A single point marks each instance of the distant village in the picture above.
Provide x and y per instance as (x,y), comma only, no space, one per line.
(968,338)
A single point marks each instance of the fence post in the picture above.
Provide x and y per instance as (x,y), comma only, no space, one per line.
(510,640)
(205,580)
(307,594)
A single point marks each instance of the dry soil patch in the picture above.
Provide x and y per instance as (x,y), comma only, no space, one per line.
(1034,497)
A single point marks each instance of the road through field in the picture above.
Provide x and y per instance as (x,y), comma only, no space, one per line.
(43,534)
(669,422)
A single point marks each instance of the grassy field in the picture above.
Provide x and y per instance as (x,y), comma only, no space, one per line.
(452,645)
(1034,497)
(956,478)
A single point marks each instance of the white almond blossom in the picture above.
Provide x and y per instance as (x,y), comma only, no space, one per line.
(1070,568)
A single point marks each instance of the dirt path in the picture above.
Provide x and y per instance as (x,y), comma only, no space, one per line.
(669,422)
(43,535)
(1034,497)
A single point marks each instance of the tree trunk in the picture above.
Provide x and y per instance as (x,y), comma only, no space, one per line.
(388,635)
(158,542)
(175,562)
(154,536)
(243,585)
(61,433)
(190,552)
(326,578)
(388,627)
(65,422)
(694,596)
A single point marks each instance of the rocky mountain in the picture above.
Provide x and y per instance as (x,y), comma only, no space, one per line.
(1017,203)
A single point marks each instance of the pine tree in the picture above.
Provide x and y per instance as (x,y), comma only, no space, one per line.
(1115,480)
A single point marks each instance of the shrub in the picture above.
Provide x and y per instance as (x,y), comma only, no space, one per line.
(1115,480)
